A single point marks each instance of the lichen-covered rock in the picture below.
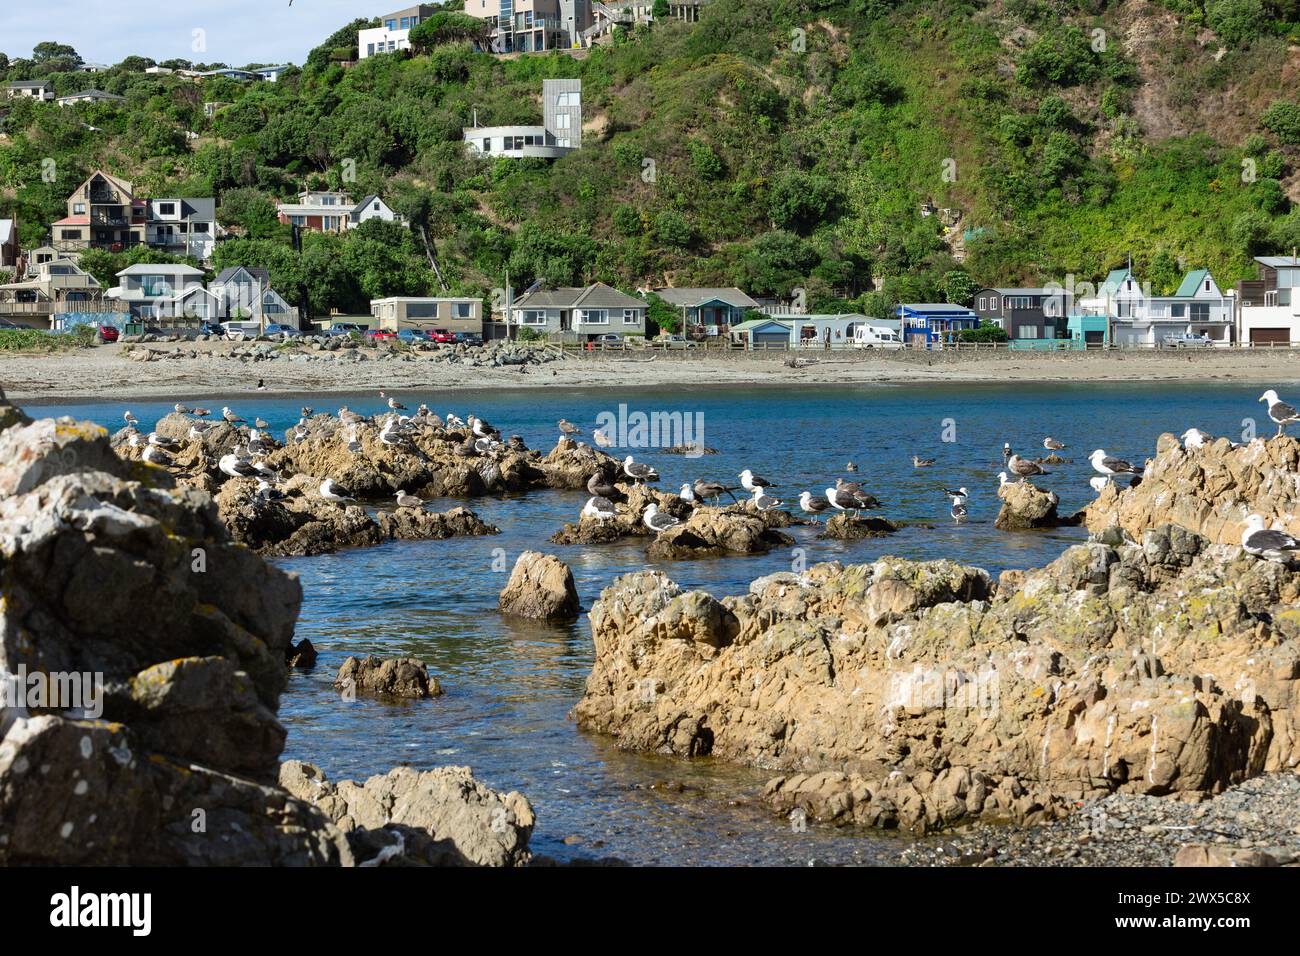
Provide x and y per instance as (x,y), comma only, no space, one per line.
(846,527)
(540,586)
(1026,506)
(388,677)
(1210,490)
(1165,665)
(713,532)
(440,817)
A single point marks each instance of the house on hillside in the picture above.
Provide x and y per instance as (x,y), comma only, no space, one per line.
(183,227)
(580,314)
(41,90)
(318,210)
(245,293)
(35,258)
(394,31)
(271,73)
(559,134)
(103,213)
(1270,305)
(9,244)
(1026,314)
(372,207)
(531,26)
(55,287)
(708,312)
(89,96)
(161,291)
(933,324)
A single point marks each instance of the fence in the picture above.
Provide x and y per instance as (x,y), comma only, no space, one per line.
(720,347)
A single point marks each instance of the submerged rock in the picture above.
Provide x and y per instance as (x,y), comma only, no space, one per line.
(388,677)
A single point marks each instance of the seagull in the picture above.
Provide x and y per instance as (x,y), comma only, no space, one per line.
(306,412)
(230,417)
(182,409)
(266,471)
(197,430)
(750,481)
(1098,483)
(130,419)
(764,502)
(454,421)
(155,455)
(712,489)
(846,499)
(960,493)
(1110,467)
(601,439)
(850,467)
(1003,481)
(261,385)
(395,405)
(658,521)
(268,493)
(1278,410)
(1023,468)
(485,445)
(1195,438)
(300,431)
(1267,543)
(482,429)
(813,504)
(388,434)
(600,486)
(639,471)
(919,462)
(354,446)
(331,491)
(261,423)
(602,509)
(688,493)
(568,428)
(133,439)
(1006,451)
(202,412)
(408,501)
(159,441)
(236,467)
(958,510)
(1051,444)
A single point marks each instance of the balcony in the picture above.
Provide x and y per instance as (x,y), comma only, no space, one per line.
(107,196)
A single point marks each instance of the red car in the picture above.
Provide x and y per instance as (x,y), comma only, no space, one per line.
(443,337)
(108,333)
(374,335)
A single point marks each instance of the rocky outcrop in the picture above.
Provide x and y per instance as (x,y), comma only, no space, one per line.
(1026,506)
(1162,666)
(1210,490)
(387,677)
(143,655)
(441,817)
(845,527)
(303,523)
(540,586)
(715,532)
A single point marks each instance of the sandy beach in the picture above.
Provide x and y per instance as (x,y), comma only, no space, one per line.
(104,372)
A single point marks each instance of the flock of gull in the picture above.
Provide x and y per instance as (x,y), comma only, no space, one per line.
(248,460)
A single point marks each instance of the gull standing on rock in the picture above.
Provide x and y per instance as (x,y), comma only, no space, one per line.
(602,509)
(567,428)
(1266,542)
(230,417)
(1279,411)
(236,467)
(1110,466)
(332,491)
(958,509)
(155,455)
(813,504)
(1194,438)
(408,501)
(764,502)
(687,493)
(268,493)
(1051,444)
(639,471)
(601,439)
(130,418)
(750,481)
(1024,469)
(658,521)
(712,489)
(849,498)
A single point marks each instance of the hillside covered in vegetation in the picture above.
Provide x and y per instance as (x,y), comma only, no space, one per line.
(774,145)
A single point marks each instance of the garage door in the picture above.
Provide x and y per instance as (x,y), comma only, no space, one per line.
(1270,336)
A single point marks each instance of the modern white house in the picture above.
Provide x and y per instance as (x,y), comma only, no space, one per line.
(394,32)
(1270,305)
(1198,307)
(183,227)
(581,314)
(372,207)
(89,96)
(32,89)
(270,73)
(531,26)
(327,211)
(559,134)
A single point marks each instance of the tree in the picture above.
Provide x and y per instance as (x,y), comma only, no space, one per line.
(1063,57)
(959,288)
(253,211)
(1237,22)
(986,332)
(48,51)
(447,28)
(802,201)
(1282,119)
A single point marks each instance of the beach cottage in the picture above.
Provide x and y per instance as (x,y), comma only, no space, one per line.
(932,324)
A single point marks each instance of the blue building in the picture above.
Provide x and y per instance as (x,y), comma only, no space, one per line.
(934,323)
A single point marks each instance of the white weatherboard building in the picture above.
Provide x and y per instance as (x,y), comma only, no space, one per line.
(559,134)
(394,33)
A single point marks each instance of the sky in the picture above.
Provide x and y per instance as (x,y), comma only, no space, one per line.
(234,31)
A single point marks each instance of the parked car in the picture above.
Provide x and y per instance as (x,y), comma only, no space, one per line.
(284,331)
(242,329)
(377,335)
(674,342)
(1186,340)
(107,333)
(413,335)
(211,328)
(443,336)
(470,338)
(6,324)
(345,328)
(876,337)
(610,340)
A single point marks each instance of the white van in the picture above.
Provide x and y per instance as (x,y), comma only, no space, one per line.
(239,330)
(875,337)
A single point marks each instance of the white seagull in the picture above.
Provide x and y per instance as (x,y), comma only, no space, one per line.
(130,418)
(1195,438)
(688,493)
(602,509)
(813,504)
(408,501)
(230,417)
(1279,411)
(658,521)
(764,502)
(1111,466)
(1265,542)
(639,471)
(331,491)
(958,509)
(750,481)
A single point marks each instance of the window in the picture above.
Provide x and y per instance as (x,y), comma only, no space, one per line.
(1200,311)
(631,316)
(562,121)
(532,316)
(463,310)
(390,24)
(1178,310)
(1028,332)
(166,209)
(567,100)
(78,208)
(1020,302)
(487,144)
(200,227)
(594,316)
(69,233)
(376,206)
(370,49)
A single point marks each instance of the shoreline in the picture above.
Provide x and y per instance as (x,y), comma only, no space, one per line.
(104,373)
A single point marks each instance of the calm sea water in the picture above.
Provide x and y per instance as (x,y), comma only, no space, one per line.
(510,684)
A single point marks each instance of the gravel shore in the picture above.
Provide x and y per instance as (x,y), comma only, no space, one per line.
(199,369)
(1260,816)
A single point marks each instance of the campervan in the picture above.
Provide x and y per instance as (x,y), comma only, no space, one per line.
(875,337)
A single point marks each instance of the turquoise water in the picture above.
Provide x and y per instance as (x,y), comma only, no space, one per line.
(510,684)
